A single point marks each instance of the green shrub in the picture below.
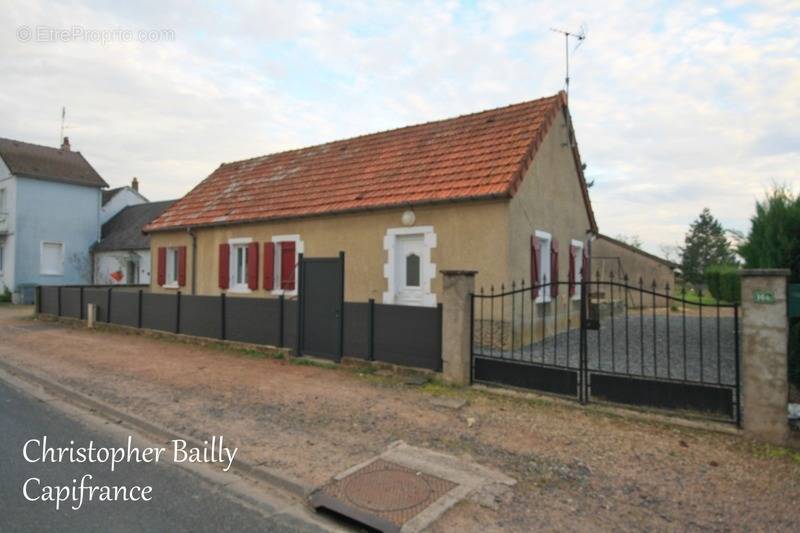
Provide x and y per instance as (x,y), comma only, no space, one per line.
(723,282)
(5,294)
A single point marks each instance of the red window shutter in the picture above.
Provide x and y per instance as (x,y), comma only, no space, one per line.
(224,265)
(182,266)
(554,267)
(572,255)
(162,265)
(287,265)
(269,265)
(252,266)
(536,254)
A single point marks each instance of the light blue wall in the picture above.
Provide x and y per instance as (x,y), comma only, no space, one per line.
(52,211)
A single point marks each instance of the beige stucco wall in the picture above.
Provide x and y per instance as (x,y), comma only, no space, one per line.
(470,236)
(610,256)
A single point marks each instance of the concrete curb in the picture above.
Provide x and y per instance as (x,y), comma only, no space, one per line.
(242,468)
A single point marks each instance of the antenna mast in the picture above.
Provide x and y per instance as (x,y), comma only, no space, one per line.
(580,36)
(63,116)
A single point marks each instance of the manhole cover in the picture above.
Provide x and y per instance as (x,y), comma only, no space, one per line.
(383,495)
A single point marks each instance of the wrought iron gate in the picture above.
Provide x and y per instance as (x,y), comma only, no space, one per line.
(610,340)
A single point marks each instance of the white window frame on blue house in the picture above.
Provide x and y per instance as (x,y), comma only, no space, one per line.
(59,270)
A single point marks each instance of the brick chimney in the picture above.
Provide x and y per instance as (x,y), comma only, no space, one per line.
(135,184)
(65,144)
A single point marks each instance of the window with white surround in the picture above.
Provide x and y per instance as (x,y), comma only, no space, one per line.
(52,259)
(545,240)
(286,268)
(3,200)
(2,256)
(408,268)
(171,279)
(578,266)
(238,268)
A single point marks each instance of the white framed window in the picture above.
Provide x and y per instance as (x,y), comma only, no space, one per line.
(545,240)
(408,269)
(3,200)
(238,264)
(285,280)
(578,266)
(171,279)
(52,258)
(2,256)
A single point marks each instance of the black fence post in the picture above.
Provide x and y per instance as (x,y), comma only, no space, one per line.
(38,296)
(139,310)
(340,348)
(299,339)
(222,315)
(80,311)
(440,315)
(178,312)
(108,307)
(59,300)
(371,330)
(281,311)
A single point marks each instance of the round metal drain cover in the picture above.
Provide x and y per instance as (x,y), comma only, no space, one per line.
(387,490)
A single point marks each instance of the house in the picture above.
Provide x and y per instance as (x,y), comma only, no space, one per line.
(53,249)
(115,200)
(612,256)
(501,192)
(123,254)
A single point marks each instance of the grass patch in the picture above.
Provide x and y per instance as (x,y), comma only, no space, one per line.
(302,361)
(768,451)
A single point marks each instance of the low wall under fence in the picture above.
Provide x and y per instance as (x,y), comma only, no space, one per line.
(396,334)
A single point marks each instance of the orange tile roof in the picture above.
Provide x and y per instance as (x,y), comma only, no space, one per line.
(482,155)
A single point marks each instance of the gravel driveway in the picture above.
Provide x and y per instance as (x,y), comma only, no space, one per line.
(677,347)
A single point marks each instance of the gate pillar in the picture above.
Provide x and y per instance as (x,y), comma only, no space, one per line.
(458,286)
(763,366)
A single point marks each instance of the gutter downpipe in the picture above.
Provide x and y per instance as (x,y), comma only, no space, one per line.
(193,235)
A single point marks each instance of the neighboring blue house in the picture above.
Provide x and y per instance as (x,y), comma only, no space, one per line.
(50,201)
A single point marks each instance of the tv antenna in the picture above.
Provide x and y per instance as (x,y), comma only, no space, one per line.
(578,36)
(63,116)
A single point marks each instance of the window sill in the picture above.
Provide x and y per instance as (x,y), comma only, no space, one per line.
(240,290)
(284,292)
(170,286)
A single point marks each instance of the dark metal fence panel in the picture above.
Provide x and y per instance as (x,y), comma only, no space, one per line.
(159,311)
(98,297)
(253,320)
(71,302)
(408,335)
(290,323)
(125,308)
(201,316)
(50,300)
(356,330)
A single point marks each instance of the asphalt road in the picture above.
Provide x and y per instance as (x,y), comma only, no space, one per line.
(182,501)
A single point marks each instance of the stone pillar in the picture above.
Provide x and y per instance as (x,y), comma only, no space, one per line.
(763,362)
(456,321)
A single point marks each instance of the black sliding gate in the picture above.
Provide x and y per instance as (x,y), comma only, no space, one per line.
(610,340)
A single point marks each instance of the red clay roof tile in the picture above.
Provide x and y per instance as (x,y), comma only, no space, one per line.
(473,156)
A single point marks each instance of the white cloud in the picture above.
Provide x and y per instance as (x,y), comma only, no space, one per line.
(677,106)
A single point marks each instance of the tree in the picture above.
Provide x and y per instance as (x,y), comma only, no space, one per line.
(630,240)
(705,245)
(774,238)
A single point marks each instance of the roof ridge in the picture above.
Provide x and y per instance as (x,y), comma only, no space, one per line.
(397,129)
(57,149)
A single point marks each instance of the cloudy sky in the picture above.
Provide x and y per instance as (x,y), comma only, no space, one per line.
(677,105)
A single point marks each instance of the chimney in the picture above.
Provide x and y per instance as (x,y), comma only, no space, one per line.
(65,144)
(135,184)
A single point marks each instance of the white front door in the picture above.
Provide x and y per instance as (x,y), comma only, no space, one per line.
(408,269)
